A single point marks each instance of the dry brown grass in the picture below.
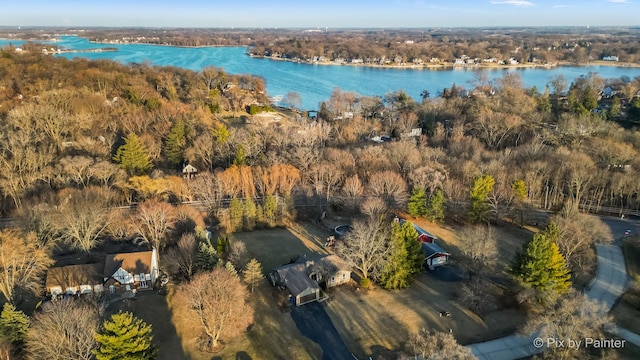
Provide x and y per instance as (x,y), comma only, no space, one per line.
(273,335)
(377,319)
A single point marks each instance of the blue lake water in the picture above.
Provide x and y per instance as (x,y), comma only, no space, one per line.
(315,83)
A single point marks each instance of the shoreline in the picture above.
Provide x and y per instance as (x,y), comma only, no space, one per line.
(451,66)
(447,66)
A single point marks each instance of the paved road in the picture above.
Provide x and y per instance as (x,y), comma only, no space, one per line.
(608,285)
(314,323)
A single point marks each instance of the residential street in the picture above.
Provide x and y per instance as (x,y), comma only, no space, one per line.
(607,286)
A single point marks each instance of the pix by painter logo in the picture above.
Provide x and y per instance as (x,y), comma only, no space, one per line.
(557,343)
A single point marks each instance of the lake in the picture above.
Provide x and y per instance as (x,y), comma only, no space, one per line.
(315,83)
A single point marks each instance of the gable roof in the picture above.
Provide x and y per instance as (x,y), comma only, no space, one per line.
(295,278)
(432,249)
(420,230)
(74,275)
(334,263)
(133,263)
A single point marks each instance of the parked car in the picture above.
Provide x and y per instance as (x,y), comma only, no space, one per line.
(342,230)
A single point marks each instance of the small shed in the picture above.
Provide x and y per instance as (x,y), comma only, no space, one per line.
(434,255)
(423,235)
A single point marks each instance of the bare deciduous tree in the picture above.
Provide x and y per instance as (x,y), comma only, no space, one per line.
(388,185)
(83,217)
(238,255)
(218,300)
(353,190)
(374,208)
(153,220)
(182,258)
(435,345)
(477,295)
(480,247)
(577,233)
(22,263)
(62,330)
(365,246)
(573,316)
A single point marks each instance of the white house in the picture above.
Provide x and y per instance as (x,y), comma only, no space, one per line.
(136,270)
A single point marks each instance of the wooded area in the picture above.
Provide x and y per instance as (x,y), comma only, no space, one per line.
(93,151)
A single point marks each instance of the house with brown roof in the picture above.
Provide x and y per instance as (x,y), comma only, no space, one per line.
(303,277)
(75,279)
(136,270)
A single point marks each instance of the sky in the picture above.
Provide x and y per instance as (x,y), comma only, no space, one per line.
(319,13)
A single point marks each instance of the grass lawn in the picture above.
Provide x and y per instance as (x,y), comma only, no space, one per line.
(273,334)
(273,248)
(374,321)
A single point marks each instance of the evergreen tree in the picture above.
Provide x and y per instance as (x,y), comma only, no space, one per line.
(541,266)
(616,107)
(241,156)
(260,219)
(417,205)
(435,206)
(235,215)
(228,266)
(589,99)
(404,257)
(176,143)
(478,202)
(206,256)
(223,245)
(252,273)
(133,157)
(249,215)
(520,190)
(124,337)
(14,324)
(270,211)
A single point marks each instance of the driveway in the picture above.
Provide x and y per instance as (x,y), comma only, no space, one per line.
(447,273)
(608,285)
(314,323)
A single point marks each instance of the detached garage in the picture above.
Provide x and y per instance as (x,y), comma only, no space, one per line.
(75,279)
(434,255)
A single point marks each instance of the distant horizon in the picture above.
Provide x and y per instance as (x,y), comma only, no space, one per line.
(283,14)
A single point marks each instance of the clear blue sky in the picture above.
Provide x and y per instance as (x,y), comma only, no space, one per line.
(319,13)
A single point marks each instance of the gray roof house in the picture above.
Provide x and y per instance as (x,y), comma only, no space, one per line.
(303,277)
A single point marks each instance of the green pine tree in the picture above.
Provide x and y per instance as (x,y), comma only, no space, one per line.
(231,269)
(520,190)
(404,259)
(241,156)
(235,215)
(249,214)
(124,337)
(435,206)
(478,199)
(207,256)
(14,324)
(223,245)
(541,266)
(417,205)
(133,157)
(175,143)
(270,211)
